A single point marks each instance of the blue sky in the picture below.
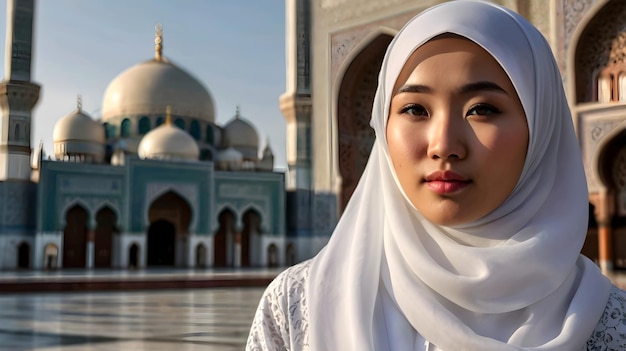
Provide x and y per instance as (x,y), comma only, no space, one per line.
(235,48)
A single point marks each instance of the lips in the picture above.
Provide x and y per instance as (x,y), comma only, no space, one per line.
(446,182)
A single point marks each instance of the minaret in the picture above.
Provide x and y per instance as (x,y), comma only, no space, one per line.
(18,95)
(295,104)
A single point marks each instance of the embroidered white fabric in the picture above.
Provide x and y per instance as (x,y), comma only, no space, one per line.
(281,320)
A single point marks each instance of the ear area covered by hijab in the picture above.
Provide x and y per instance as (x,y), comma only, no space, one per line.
(529,289)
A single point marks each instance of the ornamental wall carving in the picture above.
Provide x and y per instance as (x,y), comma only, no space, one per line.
(593,131)
(342,43)
(602,44)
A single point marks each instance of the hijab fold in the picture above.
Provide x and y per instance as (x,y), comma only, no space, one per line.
(512,280)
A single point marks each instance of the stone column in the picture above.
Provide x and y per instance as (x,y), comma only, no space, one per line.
(91,239)
(604,214)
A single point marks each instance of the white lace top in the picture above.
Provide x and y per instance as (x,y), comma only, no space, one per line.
(281,320)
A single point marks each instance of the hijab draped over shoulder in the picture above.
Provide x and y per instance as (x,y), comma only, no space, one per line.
(512,280)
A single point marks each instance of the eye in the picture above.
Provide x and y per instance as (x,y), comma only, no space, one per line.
(482,110)
(414,110)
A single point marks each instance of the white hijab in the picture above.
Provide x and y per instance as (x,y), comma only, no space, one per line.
(512,280)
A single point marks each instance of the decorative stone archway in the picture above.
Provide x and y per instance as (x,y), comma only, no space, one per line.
(250,237)
(106,220)
(75,238)
(612,222)
(600,52)
(599,92)
(169,216)
(354,107)
(224,239)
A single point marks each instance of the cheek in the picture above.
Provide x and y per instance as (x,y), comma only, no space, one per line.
(504,143)
(403,141)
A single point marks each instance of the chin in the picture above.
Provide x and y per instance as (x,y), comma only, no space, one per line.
(447,218)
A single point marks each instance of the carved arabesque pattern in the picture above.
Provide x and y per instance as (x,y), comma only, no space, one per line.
(601,45)
(574,11)
(354,108)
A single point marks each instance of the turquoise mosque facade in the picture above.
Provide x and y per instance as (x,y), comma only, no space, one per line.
(154,182)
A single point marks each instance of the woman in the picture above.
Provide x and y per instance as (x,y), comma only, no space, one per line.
(465,230)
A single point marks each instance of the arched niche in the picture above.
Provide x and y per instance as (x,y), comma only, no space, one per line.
(223,240)
(600,55)
(75,237)
(169,216)
(354,107)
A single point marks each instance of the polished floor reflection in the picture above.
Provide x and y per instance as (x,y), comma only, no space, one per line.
(180,320)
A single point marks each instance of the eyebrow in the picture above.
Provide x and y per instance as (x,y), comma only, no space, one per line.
(467,88)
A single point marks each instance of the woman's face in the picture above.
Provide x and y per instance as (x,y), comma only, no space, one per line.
(457,131)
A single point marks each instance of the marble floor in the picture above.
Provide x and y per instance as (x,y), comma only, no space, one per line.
(180,320)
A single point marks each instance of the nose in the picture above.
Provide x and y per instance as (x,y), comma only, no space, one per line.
(446,138)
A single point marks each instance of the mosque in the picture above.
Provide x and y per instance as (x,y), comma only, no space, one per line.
(154,182)
(202,195)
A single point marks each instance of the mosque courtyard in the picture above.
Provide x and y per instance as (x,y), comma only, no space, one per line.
(147,317)
(210,319)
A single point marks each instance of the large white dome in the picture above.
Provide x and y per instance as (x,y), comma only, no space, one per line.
(168,142)
(147,88)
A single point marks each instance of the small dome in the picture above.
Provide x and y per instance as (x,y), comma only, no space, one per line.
(148,87)
(168,142)
(79,138)
(230,155)
(241,135)
(78,126)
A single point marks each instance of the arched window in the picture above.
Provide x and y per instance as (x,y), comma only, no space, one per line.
(125,129)
(110,130)
(144,125)
(194,130)
(180,123)
(51,253)
(16,135)
(208,137)
(159,121)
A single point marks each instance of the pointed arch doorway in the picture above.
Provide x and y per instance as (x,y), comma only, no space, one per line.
(250,238)
(612,227)
(354,107)
(224,239)
(169,216)
(103,242)
(75,238)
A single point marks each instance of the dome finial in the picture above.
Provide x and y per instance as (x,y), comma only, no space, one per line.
(79,102)
(237,112)
(168,115)
(158,42)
